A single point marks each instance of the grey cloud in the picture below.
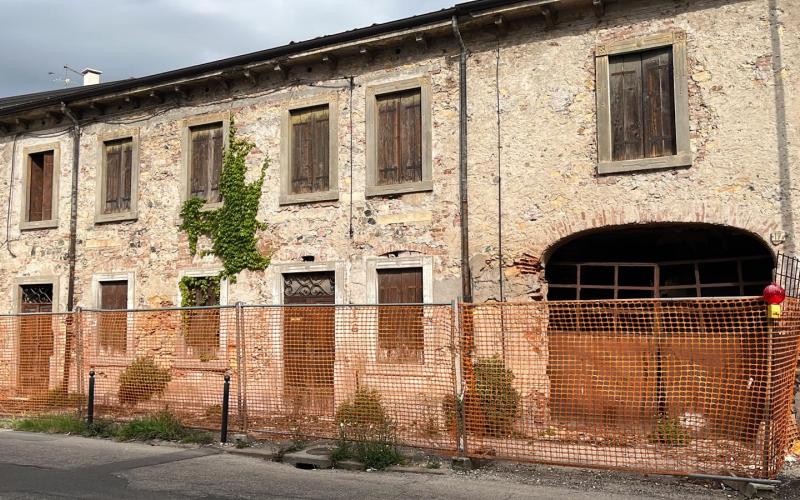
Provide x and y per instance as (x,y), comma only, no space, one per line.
(129,38)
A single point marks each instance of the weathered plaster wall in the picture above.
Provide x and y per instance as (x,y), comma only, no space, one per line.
(548,134)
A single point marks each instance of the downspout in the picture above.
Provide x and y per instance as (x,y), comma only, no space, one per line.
(466,274)
(73,229)
(73,210)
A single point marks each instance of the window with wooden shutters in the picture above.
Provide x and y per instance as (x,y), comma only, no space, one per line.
(206,143)
(118,176)
(202,326)
(399,137)
(399,158)
(642,105)
(112,332)
(310,150)
(40,186)
(400,328)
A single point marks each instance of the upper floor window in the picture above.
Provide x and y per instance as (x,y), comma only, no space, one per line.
(203,142)
(205,161)
(309,149)
(117,181)
(40,200)
(642,104)
(399,138)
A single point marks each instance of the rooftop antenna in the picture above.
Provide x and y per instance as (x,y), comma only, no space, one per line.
(66,80)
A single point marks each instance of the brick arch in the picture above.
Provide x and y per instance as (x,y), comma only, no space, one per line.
(756,223)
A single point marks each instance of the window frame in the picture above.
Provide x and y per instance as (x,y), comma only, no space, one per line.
(221,362)
(186,150)
(422,83)
(21,281)
(52,222)
(683,153)
(332,194)
(96,293)
(100,189)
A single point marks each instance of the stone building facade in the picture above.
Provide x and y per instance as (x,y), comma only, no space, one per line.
(532,152)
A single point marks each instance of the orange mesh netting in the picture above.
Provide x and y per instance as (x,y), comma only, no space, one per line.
(668,386)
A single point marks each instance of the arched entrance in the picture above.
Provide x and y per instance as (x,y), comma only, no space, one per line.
(658,261)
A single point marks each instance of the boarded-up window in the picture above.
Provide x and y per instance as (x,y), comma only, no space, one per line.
(202,325)
(40,186)
(399,137)
(310,156)
(205,161)
(642,104)
(400,332)
(112,333)
(117,188)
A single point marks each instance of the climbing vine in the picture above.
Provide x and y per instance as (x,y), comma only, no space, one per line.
(196,290)
(231,227)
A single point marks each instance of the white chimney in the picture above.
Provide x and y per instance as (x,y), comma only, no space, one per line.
(91,76)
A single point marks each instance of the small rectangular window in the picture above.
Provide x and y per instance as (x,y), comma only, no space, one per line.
(118,176)
(205,161)
(642,104)
(202,326)
(400,330)
(112,328)
(399,137)
(40,186)
(310,150)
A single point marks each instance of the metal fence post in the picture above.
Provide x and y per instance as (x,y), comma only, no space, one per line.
(226,393)
(77,326)
(90,404)
(241,369)
(767,459)
(458,387)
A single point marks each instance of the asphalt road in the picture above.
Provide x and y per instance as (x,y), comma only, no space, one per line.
(53,466)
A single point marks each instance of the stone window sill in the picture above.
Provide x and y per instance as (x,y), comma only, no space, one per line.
(408,187)
(118,217)
(40,224)
(294,199)
(618,167)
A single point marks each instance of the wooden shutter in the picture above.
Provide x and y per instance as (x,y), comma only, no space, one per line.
(40,186)
(400,332)
(310,163)
(119,167)
(215,165)
(399,137)
(659,108)
(112,334)
(642,104)
(114,295)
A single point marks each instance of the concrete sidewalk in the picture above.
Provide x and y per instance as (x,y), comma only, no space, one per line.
(54,466)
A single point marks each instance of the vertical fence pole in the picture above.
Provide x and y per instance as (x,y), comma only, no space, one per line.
(458,387)
(241,369)
(226,393)
(90,404)
(77,321)
(767,459)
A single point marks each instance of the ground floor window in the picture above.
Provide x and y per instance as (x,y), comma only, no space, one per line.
(201,327)
(400,332)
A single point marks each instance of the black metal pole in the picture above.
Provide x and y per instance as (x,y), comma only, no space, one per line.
(90,409)
(226,392)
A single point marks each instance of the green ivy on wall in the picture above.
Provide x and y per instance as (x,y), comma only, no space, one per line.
(231,227)
(196,290)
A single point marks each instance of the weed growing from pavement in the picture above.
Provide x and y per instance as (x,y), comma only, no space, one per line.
(366,432)
(163,426)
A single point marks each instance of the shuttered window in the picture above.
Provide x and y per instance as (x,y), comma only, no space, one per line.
(40,186)
(202,325)
(400,332)
(642,104)
(118,176)
(310,150)
(399,135)
(113,326)
(205,161)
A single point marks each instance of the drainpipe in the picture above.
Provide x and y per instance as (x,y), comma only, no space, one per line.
(466,275)
(73,229)
(73,210)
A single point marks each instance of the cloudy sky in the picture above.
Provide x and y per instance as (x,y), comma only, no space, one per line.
(125,38)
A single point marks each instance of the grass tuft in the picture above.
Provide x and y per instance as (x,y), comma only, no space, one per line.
(51,424)
(163,426)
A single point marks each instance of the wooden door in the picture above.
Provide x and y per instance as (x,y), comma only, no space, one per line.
(308,341)
(113,321)
(35,338)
